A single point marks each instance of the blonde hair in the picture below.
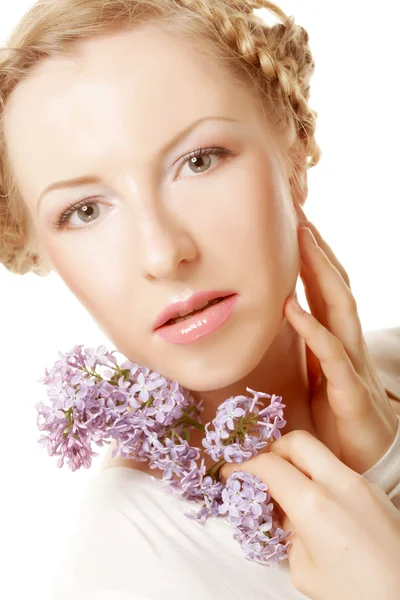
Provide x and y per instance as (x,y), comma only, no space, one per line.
(273,60)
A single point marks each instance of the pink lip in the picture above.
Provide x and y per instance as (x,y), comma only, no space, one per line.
(202,324)
(172,311)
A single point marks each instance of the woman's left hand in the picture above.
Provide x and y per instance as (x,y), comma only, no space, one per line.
(350,408)
(345,540)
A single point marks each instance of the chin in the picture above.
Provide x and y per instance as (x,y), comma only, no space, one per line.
(224,360)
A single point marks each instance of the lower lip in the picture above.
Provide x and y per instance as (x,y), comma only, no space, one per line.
(199,325)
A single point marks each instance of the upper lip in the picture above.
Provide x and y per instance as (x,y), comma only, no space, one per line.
(173,310)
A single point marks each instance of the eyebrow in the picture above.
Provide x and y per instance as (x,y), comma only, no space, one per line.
(92,179)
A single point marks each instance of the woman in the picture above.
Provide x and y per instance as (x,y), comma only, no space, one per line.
(103,104)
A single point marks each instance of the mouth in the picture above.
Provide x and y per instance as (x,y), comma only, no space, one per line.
(186,315)
(200,322)
(198,302)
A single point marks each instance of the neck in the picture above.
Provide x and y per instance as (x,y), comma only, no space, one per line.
(282,372)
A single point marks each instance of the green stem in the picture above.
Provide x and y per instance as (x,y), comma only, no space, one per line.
(190,421)
(215,468)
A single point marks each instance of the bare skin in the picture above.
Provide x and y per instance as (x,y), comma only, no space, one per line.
(161,230)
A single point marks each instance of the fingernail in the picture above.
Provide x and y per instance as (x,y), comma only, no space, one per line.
(297,306)
(306,231)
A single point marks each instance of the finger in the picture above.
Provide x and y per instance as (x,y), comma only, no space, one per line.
(296,468)
(345,389)
(314,459)
(313,295)
(314,298)
(314,371)
(300,562)
(303,220)
(341,309)
(325,420)
(330,254)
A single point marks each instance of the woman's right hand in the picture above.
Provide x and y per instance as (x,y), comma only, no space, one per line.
(346,532)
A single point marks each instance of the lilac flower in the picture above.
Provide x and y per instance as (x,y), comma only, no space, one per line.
(160,407)
(241,430)
(212,494)
(145,386)
(234,453)
(174,458)
(231,498)
(201,516)
(244,500)
(213,443)
(228,411)
(150,418)
(88,408)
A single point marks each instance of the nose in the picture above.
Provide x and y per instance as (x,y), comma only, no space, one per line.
(164,245)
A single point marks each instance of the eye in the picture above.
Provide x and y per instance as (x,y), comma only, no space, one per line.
(199,160)
(87,210)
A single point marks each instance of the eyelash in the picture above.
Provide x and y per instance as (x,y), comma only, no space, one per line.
(65,216)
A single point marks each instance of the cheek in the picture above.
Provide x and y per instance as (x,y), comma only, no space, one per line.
(93,266)
(253,231)
(104,282)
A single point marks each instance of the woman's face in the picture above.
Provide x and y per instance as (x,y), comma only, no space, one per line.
(158,227)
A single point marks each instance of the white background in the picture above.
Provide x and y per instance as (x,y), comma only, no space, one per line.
(353,199)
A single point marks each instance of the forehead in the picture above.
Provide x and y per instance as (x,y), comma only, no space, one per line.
(150,71)
(121,97)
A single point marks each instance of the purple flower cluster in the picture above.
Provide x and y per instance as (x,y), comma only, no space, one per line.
(94,400)
(241,430)
(245,501)
(129,403)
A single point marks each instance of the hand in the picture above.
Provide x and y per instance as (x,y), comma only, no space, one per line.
(346,532)
(352,413)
